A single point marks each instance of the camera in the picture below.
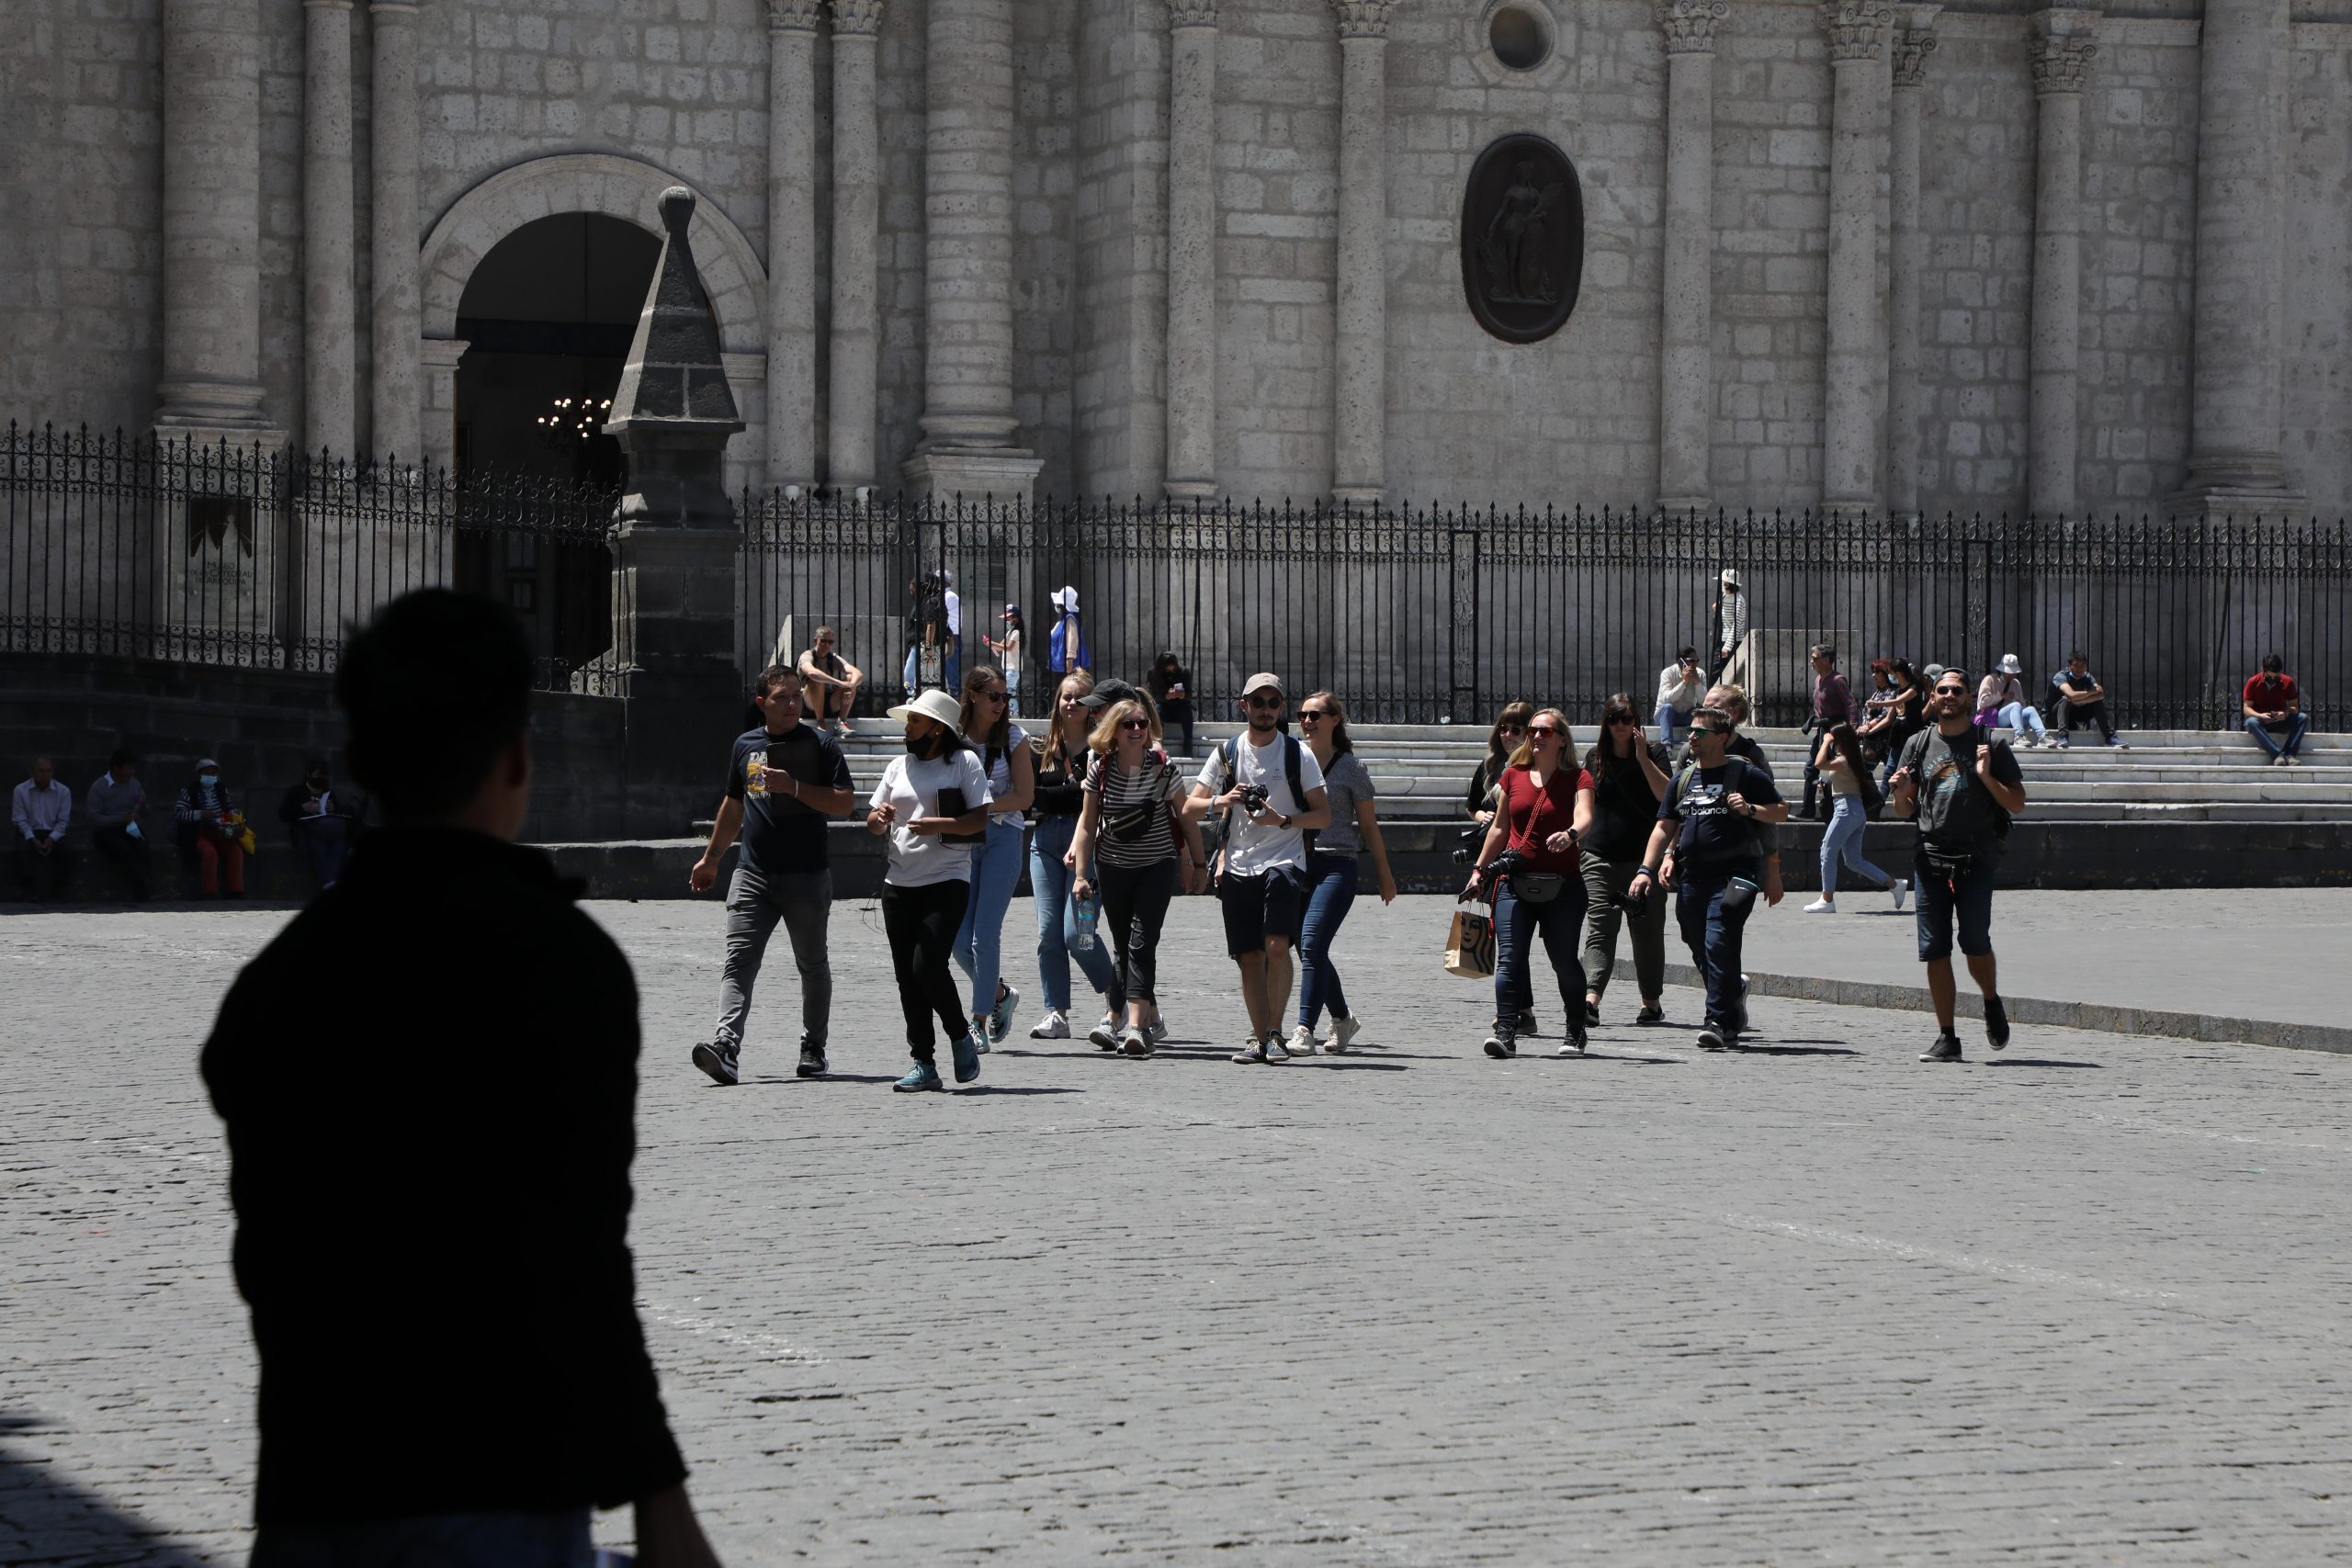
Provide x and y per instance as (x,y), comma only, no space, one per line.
(1253,799)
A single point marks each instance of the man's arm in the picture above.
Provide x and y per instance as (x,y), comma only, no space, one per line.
(1316,815)
(19,812)
(722,837)
(1999,775)
(810,672)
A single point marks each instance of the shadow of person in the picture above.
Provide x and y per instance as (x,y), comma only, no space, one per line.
(2038,1061)
(58,1522)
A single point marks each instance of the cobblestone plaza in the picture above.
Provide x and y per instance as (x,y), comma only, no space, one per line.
(1814,1302)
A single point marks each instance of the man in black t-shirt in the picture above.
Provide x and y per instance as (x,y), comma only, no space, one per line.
(1963,786)
(783,781)
(1706,842)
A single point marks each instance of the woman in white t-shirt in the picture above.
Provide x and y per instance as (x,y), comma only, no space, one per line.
(1008,651)
(937,793)
(1003,749)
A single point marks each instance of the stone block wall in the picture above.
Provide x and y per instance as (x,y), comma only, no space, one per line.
(2318,260)
(1119,225)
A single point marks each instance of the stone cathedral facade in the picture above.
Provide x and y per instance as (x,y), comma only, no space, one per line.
(1902,256)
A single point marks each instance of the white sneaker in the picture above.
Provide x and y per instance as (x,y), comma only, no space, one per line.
(2278,762)
(1302,1042)
(1901,891)
(1344,1034)
(1155,1031)
(1105,1036)
(2294,761)
(1821,907)
(1275,1050)
(980,1032)
(1055,1025)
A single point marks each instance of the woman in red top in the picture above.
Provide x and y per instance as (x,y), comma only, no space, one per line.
(1546,805)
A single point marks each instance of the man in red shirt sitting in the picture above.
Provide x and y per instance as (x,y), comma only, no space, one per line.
(2274,706)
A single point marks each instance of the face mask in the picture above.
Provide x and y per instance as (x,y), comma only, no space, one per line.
(208,780)
(922,746)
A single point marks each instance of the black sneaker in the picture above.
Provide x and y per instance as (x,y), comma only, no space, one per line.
(1945,1049)
(1997,1023)
(1652,1013)
(1501,1040)
(720,1061)
(812,1062)
(1713,1036)
(1592,1014)
(1525,1022)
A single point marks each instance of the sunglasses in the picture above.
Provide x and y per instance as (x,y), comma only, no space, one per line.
(824,642)
(1308,716)
(994,696)
(1135,723)
(1257,702)
(1538,731)
(1625,718)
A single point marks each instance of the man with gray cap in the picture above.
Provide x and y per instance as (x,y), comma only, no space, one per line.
(1271,789)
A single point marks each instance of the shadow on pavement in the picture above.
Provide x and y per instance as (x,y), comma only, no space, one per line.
(1797,1048)
(765,1079)
(58,1523)
(1014,1088)
(2037,1062)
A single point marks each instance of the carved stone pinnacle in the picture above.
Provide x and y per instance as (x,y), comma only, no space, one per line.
(1690,25)
(1854,27)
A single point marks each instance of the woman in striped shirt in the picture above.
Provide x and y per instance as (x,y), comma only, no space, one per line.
(1142,848)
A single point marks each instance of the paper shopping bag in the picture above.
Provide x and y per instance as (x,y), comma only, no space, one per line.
(1470,946)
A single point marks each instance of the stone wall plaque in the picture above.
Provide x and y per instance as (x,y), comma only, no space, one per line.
(1522,238)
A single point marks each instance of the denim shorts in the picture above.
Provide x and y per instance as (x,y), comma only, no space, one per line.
(1965,900)
(1260,908)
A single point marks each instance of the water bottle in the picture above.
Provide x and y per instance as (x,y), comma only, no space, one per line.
(1083,912)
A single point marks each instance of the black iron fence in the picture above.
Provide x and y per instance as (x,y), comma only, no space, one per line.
(242,556)
(221,555)
(1439,615)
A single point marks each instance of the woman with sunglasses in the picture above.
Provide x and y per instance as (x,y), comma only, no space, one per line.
(1061,760)
(1003,747)
(1544,807)
(1630,774)
(1129,834)
(1331,871)
(1510,727)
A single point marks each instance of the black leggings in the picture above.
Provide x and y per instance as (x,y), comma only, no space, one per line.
(1134,906)
(922,923)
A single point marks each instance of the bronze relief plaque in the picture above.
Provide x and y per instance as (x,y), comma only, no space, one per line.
(1522,238)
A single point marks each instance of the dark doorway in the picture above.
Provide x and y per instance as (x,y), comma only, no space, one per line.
(548,316)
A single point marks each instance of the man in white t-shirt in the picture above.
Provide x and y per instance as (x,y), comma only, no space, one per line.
(1271,789)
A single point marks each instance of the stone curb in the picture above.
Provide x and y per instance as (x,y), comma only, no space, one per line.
(2034,1009)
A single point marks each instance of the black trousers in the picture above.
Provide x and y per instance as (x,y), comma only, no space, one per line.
(126,855)
(1134,906)
(43,875)
(922,923)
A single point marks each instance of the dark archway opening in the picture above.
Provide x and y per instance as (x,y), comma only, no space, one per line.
(548,317)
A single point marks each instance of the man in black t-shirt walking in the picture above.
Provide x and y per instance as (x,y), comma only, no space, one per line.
(783,781)
(1963,785)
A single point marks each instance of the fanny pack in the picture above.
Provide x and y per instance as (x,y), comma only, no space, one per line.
(1947,864)
(1536,886)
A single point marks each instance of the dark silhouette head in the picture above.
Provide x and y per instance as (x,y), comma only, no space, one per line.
(437,690)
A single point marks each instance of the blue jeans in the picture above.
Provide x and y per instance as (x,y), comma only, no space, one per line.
(1057,925)
(1843,836)
(1516,923)
(1965,899)
(2295,726)
(1331,894)
(1711,928)
(2020,717)
(1663,719)
(979,941)
(488,1540)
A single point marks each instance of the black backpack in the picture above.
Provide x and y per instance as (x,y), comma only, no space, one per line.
(1231,751)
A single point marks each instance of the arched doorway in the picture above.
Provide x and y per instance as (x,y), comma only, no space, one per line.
(548,316)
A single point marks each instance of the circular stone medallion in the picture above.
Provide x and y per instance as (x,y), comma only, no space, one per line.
(1522,238)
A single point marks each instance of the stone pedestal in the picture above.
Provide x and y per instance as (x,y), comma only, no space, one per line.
(1686,382)
(1360,411)
(1913,43)
(1854,398)
(438,360)
(792,241)
(855,337)
(1192,250)
(330,303)
(394,316)
(2062,51)
(211,386)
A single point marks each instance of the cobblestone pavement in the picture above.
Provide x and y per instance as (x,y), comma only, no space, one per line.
(1812,1303)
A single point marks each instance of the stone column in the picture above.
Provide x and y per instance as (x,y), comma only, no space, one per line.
(437,358)
(2236,401)
(1854,401)
(968,429)
(330,306)
(211,382)
(2063,49)
(856,338)
(1913,42)
(394,314)
(1360,412)
(1192,250)
(792,241)
(1686,380)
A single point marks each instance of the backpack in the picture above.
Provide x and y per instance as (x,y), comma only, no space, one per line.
(1757,829)
(1916,749)
(1230,752)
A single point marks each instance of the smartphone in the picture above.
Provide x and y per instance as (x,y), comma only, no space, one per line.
(1737,895)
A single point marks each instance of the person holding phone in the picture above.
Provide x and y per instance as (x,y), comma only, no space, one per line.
(933,804)
(1706,848)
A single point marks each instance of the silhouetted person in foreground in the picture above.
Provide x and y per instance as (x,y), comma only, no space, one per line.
(430,1157)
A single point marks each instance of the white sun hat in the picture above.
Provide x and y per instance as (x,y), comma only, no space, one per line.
(936,705)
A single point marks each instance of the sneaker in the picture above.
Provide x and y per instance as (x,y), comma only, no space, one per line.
(1526,1025)
(1997,1023)
(979,1032)
(812,1062)
(1055,1025)
(1155,1031)
(967,1050)
(1573,1046)
(2064,744)
(1275,1050)
(1344,1034)
(1901,891)
(1105,1034)
(1254,1052)
(1652,1013)
(2120,744)
(924,1076)
(719,1059)
(1739,1024)
(1821,907)
(2290,762)
(1001,1016)
(1302,1042)
(1135,1043)
(1591,1013)
(1501,1040)
(1945,1049)
(2279,762)
(1713,1036)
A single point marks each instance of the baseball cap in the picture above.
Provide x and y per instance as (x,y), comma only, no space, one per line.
(1260,682)
(1105,692)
